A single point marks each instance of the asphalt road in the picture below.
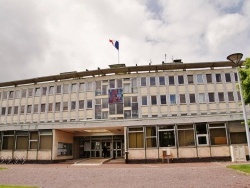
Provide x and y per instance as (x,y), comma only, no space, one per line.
(188,175)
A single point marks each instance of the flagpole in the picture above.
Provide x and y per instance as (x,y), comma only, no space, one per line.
(119,52)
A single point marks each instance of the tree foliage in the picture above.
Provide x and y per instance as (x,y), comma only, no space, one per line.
(245,80)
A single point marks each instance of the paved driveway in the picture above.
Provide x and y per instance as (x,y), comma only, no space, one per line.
(124,175)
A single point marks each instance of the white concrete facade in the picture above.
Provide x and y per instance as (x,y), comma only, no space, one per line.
(164,106)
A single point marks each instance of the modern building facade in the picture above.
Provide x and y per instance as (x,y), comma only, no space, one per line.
(191,110)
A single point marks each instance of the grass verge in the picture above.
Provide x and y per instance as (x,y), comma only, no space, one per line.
(16,186)
(243,168)
(1,168)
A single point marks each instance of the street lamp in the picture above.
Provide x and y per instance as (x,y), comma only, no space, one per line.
(235,58)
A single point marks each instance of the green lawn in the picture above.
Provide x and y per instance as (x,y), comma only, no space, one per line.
(243,168)
(1,168)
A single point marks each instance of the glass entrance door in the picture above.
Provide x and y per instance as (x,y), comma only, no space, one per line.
(117,149)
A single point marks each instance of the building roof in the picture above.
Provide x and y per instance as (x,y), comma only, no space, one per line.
(119,70)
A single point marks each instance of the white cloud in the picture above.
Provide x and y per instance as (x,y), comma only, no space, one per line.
(40,38)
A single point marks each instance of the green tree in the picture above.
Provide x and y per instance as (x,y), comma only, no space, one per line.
(245,80)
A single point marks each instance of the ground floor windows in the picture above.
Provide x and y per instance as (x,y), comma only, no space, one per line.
(200,134)
(26,140)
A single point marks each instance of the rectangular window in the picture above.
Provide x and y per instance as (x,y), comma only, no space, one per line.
(119,83)
(126,88)
(134,86)
(104,90)
(162,80)
(57,106)
(135,138)
(127,102)
(228,77)
(104,103)
(153,100)
(218,77)
(9,110)
(186,135)
(5,94)
(22,109)
(221,96)
(11,94)
(30,92)
(24,91)
(181,79)
(201,98)
(29,109)
(89,86)
(65,88)
(209,78)
(33,140)
(166,136)
(163,99)
(43,107)
(35,108)
(119,108)
(190,79)
(17,94)
(211,97)
(58,89)
(182,98)
(51,90)
(171,80)
(172,99)
(111,84)
(230,96)
(192,98)
(45,140)
(82,87)
(44,90)
(89,103)
(150,137)
(65,106)
(50,107)
(73,105)
(199,78)
(73,88)
(152,81)
(144,100)
(143,81)
(3,111)
(16,110)
(81,104)
(37,91)
(235,77)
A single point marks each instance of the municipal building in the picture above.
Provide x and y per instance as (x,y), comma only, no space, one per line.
(192,111)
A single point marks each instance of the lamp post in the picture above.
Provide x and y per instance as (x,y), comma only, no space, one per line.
(235,58)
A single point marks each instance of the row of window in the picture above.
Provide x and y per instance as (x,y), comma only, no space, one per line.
(188,79)
(128,85)
(191,98)
(23,140)
(200,134)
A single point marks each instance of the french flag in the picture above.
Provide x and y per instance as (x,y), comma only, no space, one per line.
(115,43)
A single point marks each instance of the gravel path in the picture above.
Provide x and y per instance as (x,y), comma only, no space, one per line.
(186,175)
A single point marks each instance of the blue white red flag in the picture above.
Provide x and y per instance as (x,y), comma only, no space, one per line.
(115,43)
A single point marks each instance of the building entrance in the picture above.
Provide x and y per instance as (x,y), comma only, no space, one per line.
(93,147)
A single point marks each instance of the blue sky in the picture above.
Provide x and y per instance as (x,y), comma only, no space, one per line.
(40,38)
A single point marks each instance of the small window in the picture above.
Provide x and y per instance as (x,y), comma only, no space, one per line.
(153,100)
(50,107)
(89,103)
(209,78)
(172,99)
(3,111)
(144,100)
(190,79)
(43,107)
(228,77)
(143,81)
(202,98)
(182,98)
(65,88)
(181,79)
(82,87)
(199,78)
(17,94)
(35,108)
(171,80)
(221,97)
(24,91)
(73,105)
(81,104)
(230,96)
(29,109)
(16,110)
(11,94)
(37,91)
(58,89)
(218,77)
(152,81)
(163,99)
(65,106)
(73,88)
(162,80)
(192,98)
(57,106)
(211,97)
(9,110)
(30,92)
(235,77)
(44,90)
(51,90)
(111,83)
